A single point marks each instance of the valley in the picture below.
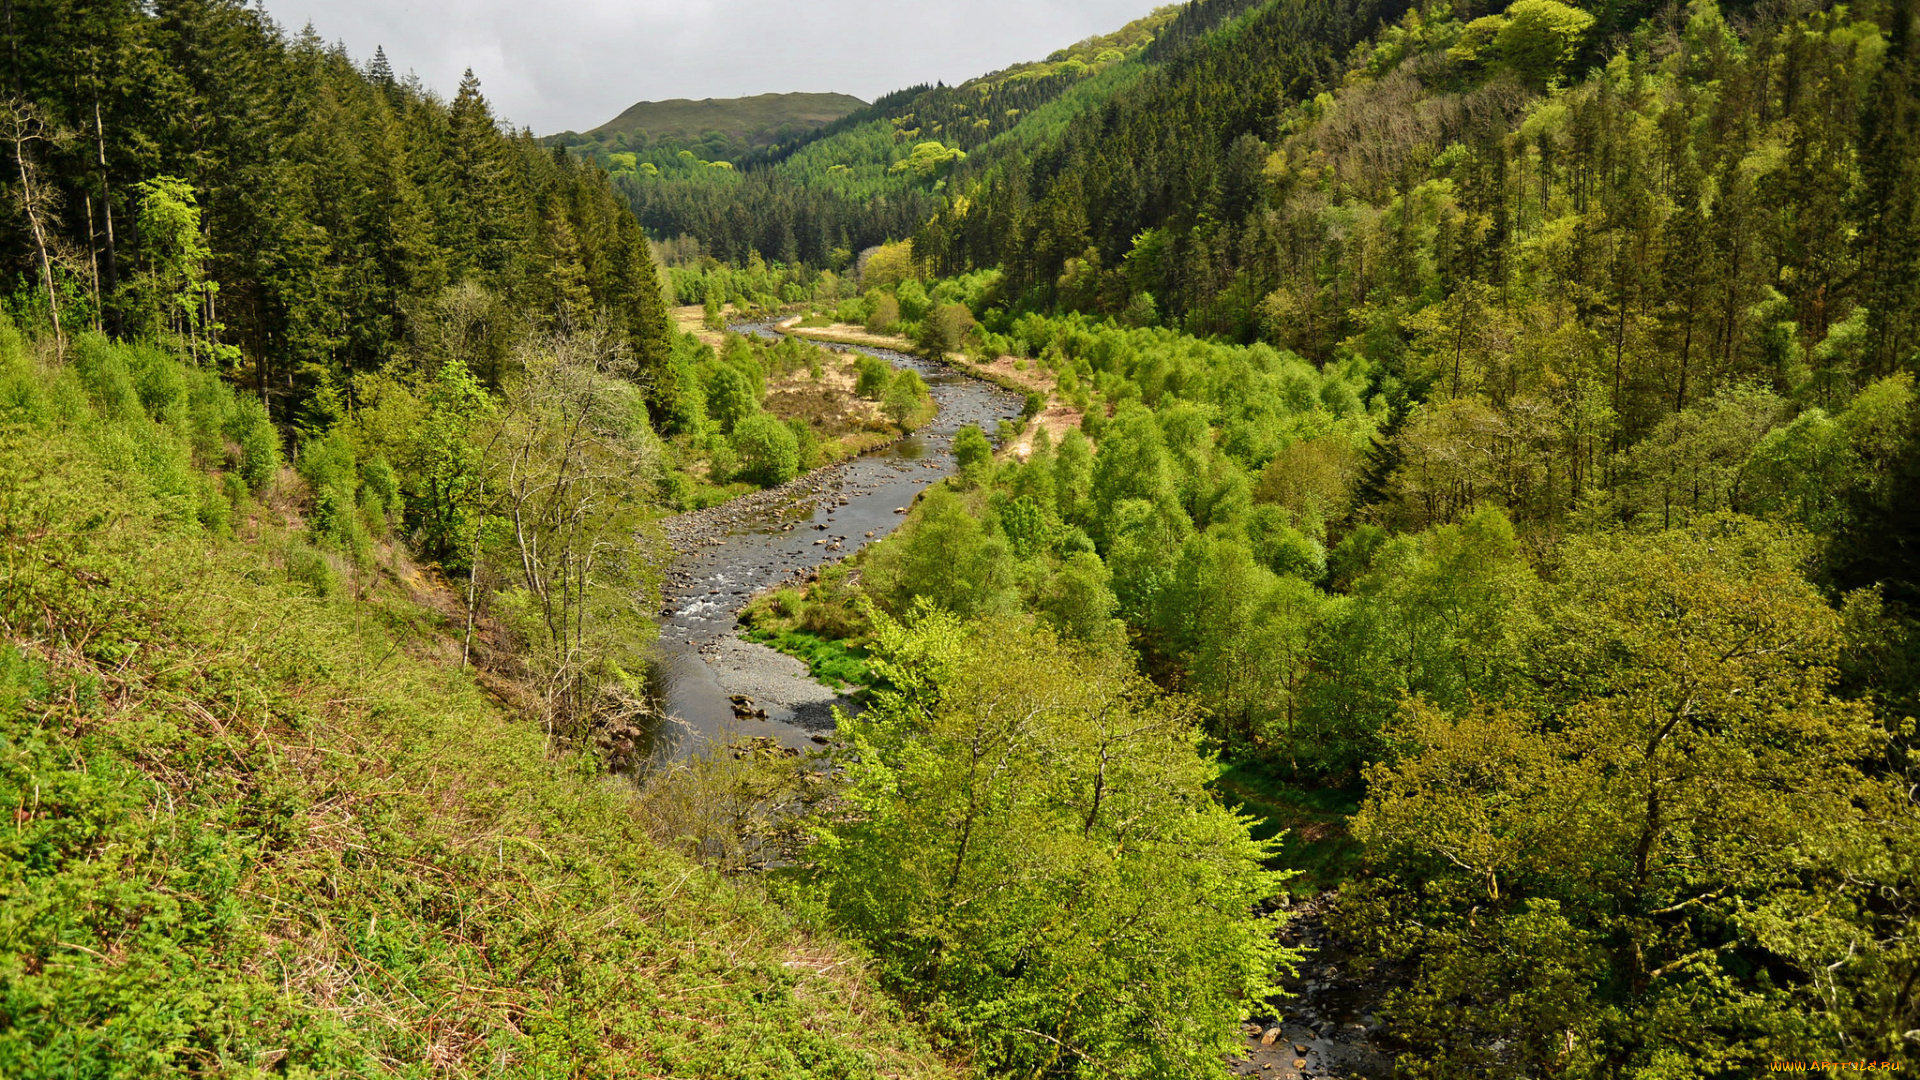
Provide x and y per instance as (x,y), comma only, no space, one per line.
(1315,539)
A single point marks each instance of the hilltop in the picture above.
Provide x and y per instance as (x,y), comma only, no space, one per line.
(755,121)
(879,172)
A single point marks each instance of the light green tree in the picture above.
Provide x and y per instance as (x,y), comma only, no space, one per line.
(769,452)
(568,456)
(906,399)
(1033,856)
(1662,856)
(929,161)
(176,251)
(972,451)
(1540,38)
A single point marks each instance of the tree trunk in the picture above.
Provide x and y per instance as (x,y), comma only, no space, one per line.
(20,136)
(106,213)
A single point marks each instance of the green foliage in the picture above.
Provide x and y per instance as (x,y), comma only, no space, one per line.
(929,161)
(944,329)
(875,375)
(883,314)
(830,660)
(1684,752)
(729,394)
(972,450)
(257,829)
(818,195)
(176,282)
(1540,38)
(1034,859)
(298,222)
(769,453)
(907,401)
(944,556)
(563,495)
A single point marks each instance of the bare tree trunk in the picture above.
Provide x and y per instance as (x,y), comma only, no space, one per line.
(93,259)
(473,578)
(21,129)
(106,213)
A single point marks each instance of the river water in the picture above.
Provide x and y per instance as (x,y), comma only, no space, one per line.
(734,551)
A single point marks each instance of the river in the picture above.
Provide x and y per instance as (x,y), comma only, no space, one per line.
(729,553)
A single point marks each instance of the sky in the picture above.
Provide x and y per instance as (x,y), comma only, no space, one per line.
(557,65)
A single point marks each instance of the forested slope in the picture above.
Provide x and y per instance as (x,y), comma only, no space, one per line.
(348,218)
(265,821)
(1505,419)
(878,173)
(326,474)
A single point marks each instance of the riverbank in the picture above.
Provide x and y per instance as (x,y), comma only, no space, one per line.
(729,552)
(1009,373)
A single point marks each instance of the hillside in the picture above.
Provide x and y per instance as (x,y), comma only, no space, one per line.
(879,172)
(755,121)
(1503,424)
(265,818)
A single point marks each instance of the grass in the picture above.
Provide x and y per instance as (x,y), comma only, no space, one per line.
(829,660)
(256,830)
(816,625)
(1314,819)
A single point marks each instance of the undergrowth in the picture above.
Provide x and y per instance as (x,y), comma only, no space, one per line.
(260,830)
(1311,822)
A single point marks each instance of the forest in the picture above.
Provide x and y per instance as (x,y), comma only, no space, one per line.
(1465,498)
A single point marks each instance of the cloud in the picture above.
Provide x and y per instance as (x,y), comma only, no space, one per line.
(574,64)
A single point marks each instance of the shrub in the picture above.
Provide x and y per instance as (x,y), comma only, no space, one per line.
(259,445)
(883,314)
(971,449)
(769,453)
(309,568)
(875,375)
(1082,889)
(905,399)
(944,330)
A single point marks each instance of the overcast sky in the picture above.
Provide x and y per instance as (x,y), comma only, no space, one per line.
(555,65)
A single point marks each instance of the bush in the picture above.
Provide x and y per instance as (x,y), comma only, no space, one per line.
(328,462)
(259,445)
(1084,889)
(729,395)
(971,449)
(905,398)
(722,461)
(379,489)
(309,568)
(769,453)
(875,375)
(883,314)
(944,329)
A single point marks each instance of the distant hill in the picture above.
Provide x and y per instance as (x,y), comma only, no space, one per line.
(752,120)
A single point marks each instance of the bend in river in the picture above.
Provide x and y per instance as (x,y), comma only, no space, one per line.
(726,554)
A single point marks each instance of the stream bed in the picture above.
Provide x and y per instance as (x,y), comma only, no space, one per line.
(730,552)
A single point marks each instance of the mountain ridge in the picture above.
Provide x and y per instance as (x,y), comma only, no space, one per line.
(750,117)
